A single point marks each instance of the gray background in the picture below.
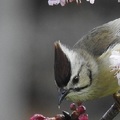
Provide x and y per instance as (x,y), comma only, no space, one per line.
(28,29)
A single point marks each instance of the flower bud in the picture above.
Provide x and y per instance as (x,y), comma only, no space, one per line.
(38,117)
(59,117)
(81,109)
(73,106)
(83,117)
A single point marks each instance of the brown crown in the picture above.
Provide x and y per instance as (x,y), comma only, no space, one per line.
(62,68)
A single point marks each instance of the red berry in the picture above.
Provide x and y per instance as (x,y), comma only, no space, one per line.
(73,106)
(83,117)
(81,109)
(59,117)
(52,118)
(38,117)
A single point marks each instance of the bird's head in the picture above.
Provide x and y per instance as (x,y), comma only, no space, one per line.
(73,69)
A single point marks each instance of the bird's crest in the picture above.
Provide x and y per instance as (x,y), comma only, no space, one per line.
(62,68)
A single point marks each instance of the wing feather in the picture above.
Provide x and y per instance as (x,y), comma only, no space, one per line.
(98,40)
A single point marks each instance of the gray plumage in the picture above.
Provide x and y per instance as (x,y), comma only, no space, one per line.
(100,38)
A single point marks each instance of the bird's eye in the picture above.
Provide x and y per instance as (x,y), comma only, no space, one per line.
(75,79)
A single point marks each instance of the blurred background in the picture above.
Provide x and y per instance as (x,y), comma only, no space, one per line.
(28,29)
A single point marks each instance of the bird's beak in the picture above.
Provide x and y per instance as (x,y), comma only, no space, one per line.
(62,94)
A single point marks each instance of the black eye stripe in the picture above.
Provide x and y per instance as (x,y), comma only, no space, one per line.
(90,75)
(80,88)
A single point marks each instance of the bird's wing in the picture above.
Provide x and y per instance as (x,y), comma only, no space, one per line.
(98,40)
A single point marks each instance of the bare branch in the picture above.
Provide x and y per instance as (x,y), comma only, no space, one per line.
(114,109)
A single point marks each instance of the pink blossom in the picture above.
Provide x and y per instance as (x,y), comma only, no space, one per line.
(53,2)
(115,58)
(91,1)
(83,117)
(118,77)
(62,2)
(38,117)
(115,64)
(72,0)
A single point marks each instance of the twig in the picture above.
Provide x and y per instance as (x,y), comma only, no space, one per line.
(114,109)
(111,113)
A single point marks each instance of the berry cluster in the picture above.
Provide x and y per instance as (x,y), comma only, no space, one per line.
(78,113)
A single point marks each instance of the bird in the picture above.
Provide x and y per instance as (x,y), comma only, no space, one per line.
(82,72)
